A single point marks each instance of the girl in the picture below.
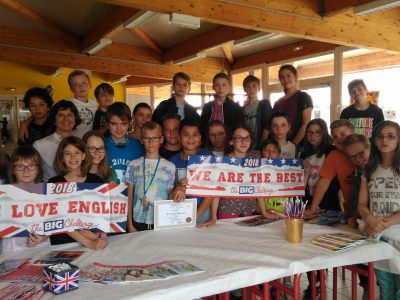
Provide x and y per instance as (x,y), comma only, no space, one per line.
(234,208)
(297,104)
(72,162)
(216,138)
(270,149)
(280,128)
(380,186)
(95,144)
(25,168)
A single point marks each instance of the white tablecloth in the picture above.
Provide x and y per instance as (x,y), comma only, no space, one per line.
(232,256)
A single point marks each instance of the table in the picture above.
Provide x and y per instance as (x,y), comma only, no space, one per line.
(232,256)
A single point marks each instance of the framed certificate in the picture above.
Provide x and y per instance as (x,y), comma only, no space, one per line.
(169,214)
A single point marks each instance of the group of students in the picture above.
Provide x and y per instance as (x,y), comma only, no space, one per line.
(355,169)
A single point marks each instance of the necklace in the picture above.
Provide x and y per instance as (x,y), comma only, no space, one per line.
(144,201)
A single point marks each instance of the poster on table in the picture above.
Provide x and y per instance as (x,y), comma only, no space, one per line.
(60,207)
(229,177)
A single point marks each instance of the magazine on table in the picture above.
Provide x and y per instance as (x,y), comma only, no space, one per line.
(256,221)
(22,291)
(57,257)
(338,241)
(106,274)
(330,218)
(12,265)
(24,273)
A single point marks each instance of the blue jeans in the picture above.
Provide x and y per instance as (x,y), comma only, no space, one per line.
(389,285)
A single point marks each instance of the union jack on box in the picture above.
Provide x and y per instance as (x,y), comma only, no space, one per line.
(61,282)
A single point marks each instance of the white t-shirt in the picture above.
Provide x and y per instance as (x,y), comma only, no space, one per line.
(47,148)
(288,150)
(316,164)
(86,110)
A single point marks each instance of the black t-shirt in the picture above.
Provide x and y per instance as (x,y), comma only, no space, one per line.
(363,120)
(63,238)
(165,153)
(37,132)
(99,119)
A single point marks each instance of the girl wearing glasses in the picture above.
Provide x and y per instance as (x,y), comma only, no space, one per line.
(216,137)
(25,168)
(95,144)
(379,201)
(72,163)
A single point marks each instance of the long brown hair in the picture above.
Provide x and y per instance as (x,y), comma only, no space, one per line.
(104,170)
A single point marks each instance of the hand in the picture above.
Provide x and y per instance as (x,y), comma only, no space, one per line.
(131,228)
(307,166)
(98,244)
(210,223)
(179,194)
(89,234)
(271,215)
(377,224)
(311,211)
(23,130)
(35,239)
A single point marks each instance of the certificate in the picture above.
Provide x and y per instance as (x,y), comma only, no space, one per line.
(170,214)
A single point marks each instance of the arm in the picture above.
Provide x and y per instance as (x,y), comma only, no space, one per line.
(302,130)
(83,239)
(23,129)
(179,193)
(264,212)
(319,192)
(131,190)
(205,204)
(35,239)
(214,211)
(265,134)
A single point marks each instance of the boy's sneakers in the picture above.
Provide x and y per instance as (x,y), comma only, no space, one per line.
(307,293)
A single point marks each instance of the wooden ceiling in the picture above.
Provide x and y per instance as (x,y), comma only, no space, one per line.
(55,34)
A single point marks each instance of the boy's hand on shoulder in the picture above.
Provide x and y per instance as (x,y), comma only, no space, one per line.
(23,130)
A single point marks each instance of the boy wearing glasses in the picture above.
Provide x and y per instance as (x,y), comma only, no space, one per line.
(149,178)
(362,114)
(120,148)
(170,128)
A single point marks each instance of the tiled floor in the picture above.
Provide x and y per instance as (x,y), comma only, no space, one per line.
(344,286)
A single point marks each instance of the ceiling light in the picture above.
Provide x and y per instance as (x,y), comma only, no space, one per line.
(254,39)
(184,21)
(122,79)
(57,72)
(375,6)
(190,58)
(298,48)
(103,42)
(139,19)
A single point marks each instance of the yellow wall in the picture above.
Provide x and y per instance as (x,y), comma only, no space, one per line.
(22,77)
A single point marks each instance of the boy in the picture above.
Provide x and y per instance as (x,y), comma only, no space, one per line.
(149,178)
(120,148)
(79,83)
(190,136)
(104,94)
(362,114)
(222,108)
(257,113)
(177,104)
(39,103)
(336,164)
(280,128)
(172,145)
(141,115)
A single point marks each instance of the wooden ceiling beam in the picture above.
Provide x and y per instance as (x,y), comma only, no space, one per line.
(35,16)
(226,48)
(139,81)
(200,71)
(38,40)
(107,25)
(211,39)
(133,53)
(288,52)
(49,71)
(148,40)
(330,7)
(343,28)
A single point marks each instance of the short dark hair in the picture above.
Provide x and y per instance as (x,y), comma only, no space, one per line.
(189,123)
(277,114)
(105,87)
(355,138)
(64,105)
(25,152)
(270,141)
(220,75)
(251,79)
(291,68)
(354,83)
(39,93)
(181,75)
(119,109)
(77,73)
(342,122)
(140,105)
(170,117)
(59,165)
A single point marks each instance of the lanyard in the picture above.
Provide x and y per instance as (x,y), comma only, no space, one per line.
(152,176)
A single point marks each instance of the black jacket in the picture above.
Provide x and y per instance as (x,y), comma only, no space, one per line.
(168,107)
(264,113)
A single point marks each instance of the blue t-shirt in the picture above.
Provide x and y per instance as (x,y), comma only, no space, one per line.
(120,157)
(158,190)
(181,172)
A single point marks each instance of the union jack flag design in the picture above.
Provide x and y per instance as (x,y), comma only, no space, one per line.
(61,282)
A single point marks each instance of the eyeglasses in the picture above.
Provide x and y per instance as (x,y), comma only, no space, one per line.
(314,133)
(151,139)
(240,139)
(389,137)
(217,135)
(357,155)
(21,168)
(95,149)
(125,123)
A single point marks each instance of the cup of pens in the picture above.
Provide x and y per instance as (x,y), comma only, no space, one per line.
(294,212)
